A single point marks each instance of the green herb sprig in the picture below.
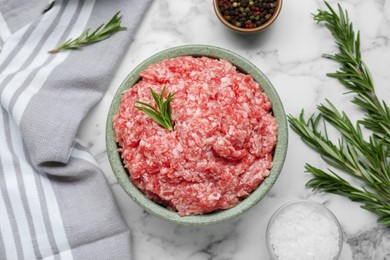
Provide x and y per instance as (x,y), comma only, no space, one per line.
(365,160)
(101,33)
(162,114)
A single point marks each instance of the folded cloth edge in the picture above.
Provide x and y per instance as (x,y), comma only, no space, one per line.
(41,219)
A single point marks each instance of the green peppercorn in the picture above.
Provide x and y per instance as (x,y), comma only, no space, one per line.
(247,13)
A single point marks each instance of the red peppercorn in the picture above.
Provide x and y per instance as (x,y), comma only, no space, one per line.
(247,14)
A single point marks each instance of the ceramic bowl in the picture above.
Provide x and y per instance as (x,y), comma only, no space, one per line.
(279,154)
(263,26)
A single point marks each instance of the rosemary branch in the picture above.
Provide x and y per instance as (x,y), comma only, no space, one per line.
(101,33)
(162,114)
(365,160)
(353,73)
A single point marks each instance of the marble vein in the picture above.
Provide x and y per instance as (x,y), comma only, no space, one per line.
(290,54)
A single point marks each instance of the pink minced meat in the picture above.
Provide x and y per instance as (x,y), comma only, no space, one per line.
(223,139)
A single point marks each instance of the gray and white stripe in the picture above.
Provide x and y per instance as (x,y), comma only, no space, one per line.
(44,72)
(7,221)
(13,204)
(41,216)
(5,32)
(26,209)
(19,56)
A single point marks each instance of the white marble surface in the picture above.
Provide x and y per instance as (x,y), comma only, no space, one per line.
(289,53)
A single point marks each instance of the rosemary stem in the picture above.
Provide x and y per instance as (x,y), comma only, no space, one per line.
(366,160)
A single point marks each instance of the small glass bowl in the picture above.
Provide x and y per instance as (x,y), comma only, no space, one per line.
(301,225)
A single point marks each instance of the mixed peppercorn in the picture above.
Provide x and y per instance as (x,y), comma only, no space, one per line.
(247,13)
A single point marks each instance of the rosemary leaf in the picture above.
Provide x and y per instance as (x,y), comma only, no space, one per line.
(101,33)
(152,114)
(368,161)
(147,105)
(162,114)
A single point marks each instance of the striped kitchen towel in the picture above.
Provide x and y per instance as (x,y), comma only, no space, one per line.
(54,201)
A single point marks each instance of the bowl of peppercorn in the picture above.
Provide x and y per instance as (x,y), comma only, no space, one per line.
(247,16)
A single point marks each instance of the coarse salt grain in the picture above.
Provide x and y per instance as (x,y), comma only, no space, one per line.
(304,231)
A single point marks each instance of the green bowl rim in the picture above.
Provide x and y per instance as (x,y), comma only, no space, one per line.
(279,154)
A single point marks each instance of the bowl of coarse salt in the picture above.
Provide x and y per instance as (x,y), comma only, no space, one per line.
(304,230)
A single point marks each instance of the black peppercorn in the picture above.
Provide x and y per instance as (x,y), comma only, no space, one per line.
(247,13)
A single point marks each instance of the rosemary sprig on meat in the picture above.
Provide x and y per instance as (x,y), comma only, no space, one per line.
(162,114)
(366,160)
(101,33)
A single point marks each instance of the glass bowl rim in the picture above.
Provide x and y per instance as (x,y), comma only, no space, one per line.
(310,202)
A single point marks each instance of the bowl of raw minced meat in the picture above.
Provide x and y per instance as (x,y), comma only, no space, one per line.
(196,135)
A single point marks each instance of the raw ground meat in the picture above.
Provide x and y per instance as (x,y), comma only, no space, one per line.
(223,139)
